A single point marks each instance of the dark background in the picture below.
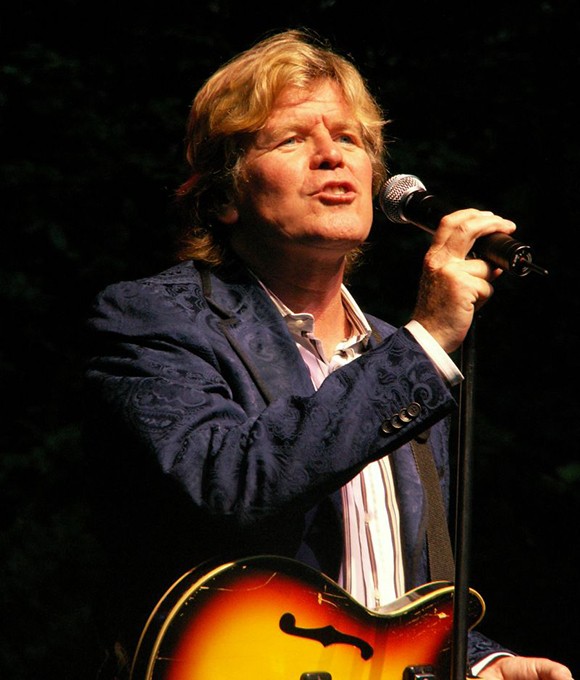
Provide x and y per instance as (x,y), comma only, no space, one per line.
(93,101)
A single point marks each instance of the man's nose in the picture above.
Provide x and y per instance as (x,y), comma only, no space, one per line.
(327,154)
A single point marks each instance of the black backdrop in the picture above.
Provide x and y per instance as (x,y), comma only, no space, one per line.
(93,102)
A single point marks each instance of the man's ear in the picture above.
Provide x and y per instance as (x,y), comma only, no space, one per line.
(228,214)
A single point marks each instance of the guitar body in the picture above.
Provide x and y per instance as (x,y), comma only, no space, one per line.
(277,619)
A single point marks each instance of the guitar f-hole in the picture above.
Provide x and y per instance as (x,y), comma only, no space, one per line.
(327,635)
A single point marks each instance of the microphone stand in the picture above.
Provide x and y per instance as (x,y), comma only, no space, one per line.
(463,512)
(521,266)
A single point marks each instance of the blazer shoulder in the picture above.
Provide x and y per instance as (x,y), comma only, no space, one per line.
(161,295)
(182,273)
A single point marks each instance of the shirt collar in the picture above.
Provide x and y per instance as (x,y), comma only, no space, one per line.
(301,324)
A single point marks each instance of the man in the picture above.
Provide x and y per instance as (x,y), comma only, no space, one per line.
(241,403)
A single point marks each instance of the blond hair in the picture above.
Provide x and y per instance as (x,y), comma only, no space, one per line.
(235,103)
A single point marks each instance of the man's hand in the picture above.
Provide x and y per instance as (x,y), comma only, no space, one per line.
(452,285)
(525,668)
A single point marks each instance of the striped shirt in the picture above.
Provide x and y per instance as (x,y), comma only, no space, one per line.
(372,566)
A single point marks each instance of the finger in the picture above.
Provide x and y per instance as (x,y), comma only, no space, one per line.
(481,269)
(471,219)
(458,231)
(441,260)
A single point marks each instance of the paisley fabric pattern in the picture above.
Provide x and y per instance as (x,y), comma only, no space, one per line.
(205,429)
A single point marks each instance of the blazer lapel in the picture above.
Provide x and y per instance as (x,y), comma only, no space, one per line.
(258,334)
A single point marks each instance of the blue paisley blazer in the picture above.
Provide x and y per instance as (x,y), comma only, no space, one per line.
(207,440)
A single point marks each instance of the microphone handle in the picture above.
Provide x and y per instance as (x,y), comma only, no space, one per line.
(501,250)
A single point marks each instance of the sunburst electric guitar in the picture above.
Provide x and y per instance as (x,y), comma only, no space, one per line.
(272,618)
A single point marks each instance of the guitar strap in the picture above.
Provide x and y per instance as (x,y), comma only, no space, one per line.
(439,550)
(441,562)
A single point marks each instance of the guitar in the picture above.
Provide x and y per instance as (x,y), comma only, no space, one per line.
(277,619)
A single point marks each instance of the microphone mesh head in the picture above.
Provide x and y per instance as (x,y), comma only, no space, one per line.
(394,193)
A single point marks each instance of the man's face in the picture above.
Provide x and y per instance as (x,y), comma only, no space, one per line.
(307,179)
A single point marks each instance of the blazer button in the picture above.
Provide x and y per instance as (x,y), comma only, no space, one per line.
(404,416)
(396,422)
(413,409)
(386,427)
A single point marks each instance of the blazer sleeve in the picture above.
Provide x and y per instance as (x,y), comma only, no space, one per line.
(180,393)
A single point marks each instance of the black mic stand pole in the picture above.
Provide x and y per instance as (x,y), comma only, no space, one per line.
(463,509)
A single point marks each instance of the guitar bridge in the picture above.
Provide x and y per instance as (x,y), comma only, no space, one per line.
(419,673)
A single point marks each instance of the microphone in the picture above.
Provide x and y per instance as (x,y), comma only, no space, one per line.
(404,199)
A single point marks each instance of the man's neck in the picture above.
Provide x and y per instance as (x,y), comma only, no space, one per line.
(314,288)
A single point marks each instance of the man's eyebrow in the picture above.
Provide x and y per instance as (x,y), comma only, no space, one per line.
(270,133)
(301,124)
(349,123)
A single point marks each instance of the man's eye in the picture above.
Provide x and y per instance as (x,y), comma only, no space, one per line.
(347,138)
(289,141)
